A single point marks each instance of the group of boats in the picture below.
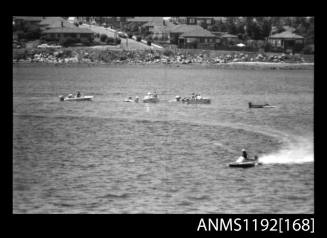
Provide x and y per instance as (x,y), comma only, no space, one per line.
(242,162)
(153,98)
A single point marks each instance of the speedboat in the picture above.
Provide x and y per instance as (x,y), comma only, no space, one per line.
(195,100)
(129,99)
(75,98)
(260,105)
(151,98)
(246,164)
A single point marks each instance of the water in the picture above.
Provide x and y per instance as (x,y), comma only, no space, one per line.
(109,156)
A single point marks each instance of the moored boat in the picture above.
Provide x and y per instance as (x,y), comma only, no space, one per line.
(71,98)
(260,105)
(197,101)
(151,98)
(194,99)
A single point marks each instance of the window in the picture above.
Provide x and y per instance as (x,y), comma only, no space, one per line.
(191,20)
(209,21)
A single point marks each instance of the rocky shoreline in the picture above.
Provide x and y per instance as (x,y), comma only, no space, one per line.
(93,57)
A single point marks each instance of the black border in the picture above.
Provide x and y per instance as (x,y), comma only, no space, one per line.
(154,224)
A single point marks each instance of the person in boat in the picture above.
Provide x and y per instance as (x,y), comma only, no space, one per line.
(178,98)
(136,99)
(244,154)
(198,96)
(78,94)
(243,157)
(250,104)
(193,95)
(155,95)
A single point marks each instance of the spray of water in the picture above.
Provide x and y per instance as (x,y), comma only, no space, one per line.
(297,152)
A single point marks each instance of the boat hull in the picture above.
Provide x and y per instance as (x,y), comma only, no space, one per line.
(244,164)
(150,99)
(261,106)
(78,99)
(197,101)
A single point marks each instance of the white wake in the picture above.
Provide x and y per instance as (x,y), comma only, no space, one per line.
(298,152)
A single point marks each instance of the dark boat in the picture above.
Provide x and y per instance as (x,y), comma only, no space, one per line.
(247,164)
(260,105)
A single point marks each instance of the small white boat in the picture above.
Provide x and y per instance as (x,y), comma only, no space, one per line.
(81,98)
(151,98)
(129,99)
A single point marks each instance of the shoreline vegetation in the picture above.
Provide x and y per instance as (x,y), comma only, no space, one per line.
(84,56)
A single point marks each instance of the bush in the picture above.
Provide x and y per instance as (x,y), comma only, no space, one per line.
(308,49)
(117,41)
(138,38)
(113,41)
(67,53)
(298,47)
(168,52)
(103,37)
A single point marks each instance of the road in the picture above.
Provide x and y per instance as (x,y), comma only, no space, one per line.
(130,44)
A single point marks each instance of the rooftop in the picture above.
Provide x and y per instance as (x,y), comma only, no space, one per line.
(145,19)
(198,33)
(182,28)
(286,35)
(227,35)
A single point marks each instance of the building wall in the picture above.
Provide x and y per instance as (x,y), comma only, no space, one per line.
(198,43)
(83,37)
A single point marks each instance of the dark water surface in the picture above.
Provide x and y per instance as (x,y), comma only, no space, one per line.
(109,156)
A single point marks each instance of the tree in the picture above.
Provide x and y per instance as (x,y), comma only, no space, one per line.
(204,25)
(258,28)
(266,27)
(230,25)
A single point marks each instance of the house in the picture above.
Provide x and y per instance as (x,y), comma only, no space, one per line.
(287,41)
(177,30)
(26,22)
(198,38)
(192,20)
(137,25)
(160,30)
(62,34)
(55,22)
(229,39)
(179,20)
